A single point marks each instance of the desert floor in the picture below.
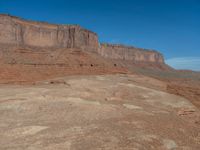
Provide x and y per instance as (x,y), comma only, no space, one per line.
(111,112)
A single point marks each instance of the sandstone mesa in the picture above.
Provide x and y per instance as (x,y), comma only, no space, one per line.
(21,32)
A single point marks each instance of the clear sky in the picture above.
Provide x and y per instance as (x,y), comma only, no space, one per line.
(169,26)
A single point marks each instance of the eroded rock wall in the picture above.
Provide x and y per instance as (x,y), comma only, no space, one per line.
(14,30)
(112,51)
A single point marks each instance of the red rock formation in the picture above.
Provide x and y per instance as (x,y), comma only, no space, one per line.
(17,31)
(122,52)
(35,49)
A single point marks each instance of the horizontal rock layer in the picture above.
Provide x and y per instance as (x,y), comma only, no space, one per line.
(14,30)
(129,53)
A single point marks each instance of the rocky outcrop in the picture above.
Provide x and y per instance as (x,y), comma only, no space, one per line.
(32,51)
(122,52)
(17,31)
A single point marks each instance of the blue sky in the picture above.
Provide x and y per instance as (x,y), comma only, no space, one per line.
(169,26)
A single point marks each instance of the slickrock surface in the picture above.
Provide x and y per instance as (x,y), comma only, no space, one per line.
(112,112)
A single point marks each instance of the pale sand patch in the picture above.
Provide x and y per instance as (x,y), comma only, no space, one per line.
(160,112)
(54,146)
(169,144)
(129,106)
(82,101)
(25,131)
(61,146)
(100,78)
(177,104)
(140,87)
(148,138)
(11,106)
(142,136)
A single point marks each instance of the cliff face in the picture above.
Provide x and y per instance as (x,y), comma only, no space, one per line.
(14,30)
(130,53)
(32,51)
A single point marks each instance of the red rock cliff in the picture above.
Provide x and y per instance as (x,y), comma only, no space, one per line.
(122,52)
(14,30)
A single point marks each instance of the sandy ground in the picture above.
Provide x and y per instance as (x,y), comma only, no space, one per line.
(111,112)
